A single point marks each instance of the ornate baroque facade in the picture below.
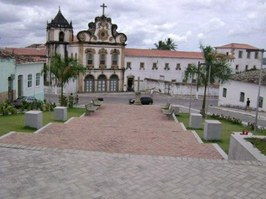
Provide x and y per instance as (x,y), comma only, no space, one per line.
(100,49)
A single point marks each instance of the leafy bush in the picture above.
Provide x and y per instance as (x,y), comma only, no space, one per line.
(227,118)
(6,108)
(63,100)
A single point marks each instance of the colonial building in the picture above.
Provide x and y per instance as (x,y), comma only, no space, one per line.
(111,67)
(20,76)
(145,68)
(244,85)
(243,57)
(100,48)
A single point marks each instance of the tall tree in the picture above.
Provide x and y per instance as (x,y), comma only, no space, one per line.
(64,70)
(168,44)
(215,69)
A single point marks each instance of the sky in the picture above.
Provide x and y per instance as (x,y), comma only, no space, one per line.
(145,22)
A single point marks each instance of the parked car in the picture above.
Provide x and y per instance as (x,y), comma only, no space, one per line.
(19,101)
(143,100)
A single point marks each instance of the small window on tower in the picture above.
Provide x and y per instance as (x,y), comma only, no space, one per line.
(61,36)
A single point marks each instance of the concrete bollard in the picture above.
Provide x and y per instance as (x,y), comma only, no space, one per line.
(60,113)
(212,130)
(33,119)
(195,120)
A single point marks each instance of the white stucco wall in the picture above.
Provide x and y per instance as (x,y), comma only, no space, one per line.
(30,68)
(160,74)
(180,88)
(233,94)
(242,62)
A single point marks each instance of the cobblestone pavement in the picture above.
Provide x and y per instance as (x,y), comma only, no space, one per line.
(120,129)
(125,152)
(54,173)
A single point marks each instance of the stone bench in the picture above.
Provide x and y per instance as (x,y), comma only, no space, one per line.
(33,119)
(176,109)
(195,120)
(212,130)
(90,108)
(60,113)
(169,114)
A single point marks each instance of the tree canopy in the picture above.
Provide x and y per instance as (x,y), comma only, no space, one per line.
(214,69)
(168,44)
(64,70)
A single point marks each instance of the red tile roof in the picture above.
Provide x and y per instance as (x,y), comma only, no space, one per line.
(28,51)
(237,46)
(133,52)
(251,76)
(28,54)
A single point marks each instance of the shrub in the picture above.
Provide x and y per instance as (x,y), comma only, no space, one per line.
(6,108)
(227,118)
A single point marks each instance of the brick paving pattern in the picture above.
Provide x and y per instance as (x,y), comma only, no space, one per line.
(117,128)
(122,152)
(66,174)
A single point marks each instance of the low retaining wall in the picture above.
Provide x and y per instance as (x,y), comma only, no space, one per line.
(240,149)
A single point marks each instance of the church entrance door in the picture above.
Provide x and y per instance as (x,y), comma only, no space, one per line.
(114,83)
(89,84)
(101,83)
(130,83)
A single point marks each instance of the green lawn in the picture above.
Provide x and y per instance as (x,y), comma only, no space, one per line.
(227,129)
(16,122)
(259,143)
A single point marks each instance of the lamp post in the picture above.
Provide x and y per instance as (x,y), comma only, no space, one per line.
(260,77)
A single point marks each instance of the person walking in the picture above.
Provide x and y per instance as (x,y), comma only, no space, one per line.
(248,105)
(76,99)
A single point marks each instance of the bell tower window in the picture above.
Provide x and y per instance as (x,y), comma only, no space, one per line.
(61,36)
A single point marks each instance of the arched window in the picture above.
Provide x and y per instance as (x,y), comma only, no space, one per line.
(101,83)
(114,83)
(89,84)
(61,36)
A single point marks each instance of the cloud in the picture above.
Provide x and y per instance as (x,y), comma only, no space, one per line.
(145,22)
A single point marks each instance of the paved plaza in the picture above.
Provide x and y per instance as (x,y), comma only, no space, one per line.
(122,151)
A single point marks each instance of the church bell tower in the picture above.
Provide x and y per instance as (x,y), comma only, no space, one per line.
(59,33)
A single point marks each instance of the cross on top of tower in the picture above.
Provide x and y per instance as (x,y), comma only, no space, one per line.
(103,6)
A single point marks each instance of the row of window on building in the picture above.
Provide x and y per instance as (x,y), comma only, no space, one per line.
(37,80)
(90,56)
(246,67)
(154,66)
(240,54)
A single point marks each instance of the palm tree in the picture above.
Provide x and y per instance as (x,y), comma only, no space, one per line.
(168,44)
(64,69)
(216,69)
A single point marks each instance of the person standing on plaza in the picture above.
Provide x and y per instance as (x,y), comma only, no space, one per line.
(76,99)
(248,105)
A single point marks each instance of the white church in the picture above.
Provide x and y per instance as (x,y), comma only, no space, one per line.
(111,67)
